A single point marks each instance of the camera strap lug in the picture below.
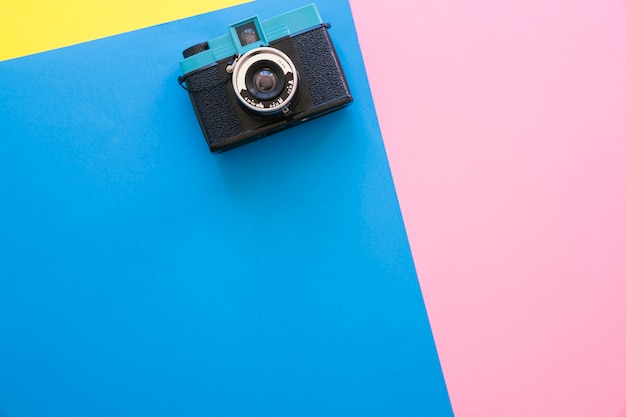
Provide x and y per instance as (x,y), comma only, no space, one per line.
(229,69)
(231,65)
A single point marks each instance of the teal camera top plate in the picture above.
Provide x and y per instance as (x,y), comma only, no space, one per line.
(269,30)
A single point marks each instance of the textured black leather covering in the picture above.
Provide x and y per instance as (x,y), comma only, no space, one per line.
(213,105)
(320,66)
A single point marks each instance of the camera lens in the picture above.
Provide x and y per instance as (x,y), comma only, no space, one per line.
(264,80)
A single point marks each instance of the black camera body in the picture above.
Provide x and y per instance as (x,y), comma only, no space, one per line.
(264,77)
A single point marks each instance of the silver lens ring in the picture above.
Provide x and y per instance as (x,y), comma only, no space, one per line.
(264,60)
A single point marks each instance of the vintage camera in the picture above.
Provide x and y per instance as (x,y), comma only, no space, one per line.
(263,77)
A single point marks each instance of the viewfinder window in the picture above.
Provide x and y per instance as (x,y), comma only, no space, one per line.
(248,34)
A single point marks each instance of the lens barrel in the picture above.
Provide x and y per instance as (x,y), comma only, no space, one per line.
(265,81)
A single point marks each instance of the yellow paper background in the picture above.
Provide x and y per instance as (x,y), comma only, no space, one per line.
(31,26)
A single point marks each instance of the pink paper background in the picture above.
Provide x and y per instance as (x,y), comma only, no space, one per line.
(505,125)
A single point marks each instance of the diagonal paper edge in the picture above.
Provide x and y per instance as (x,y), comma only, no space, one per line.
(33,26)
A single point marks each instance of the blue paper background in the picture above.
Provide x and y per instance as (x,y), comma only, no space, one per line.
(142,275)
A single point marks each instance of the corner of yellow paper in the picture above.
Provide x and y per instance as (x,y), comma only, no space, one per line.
(31,26)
